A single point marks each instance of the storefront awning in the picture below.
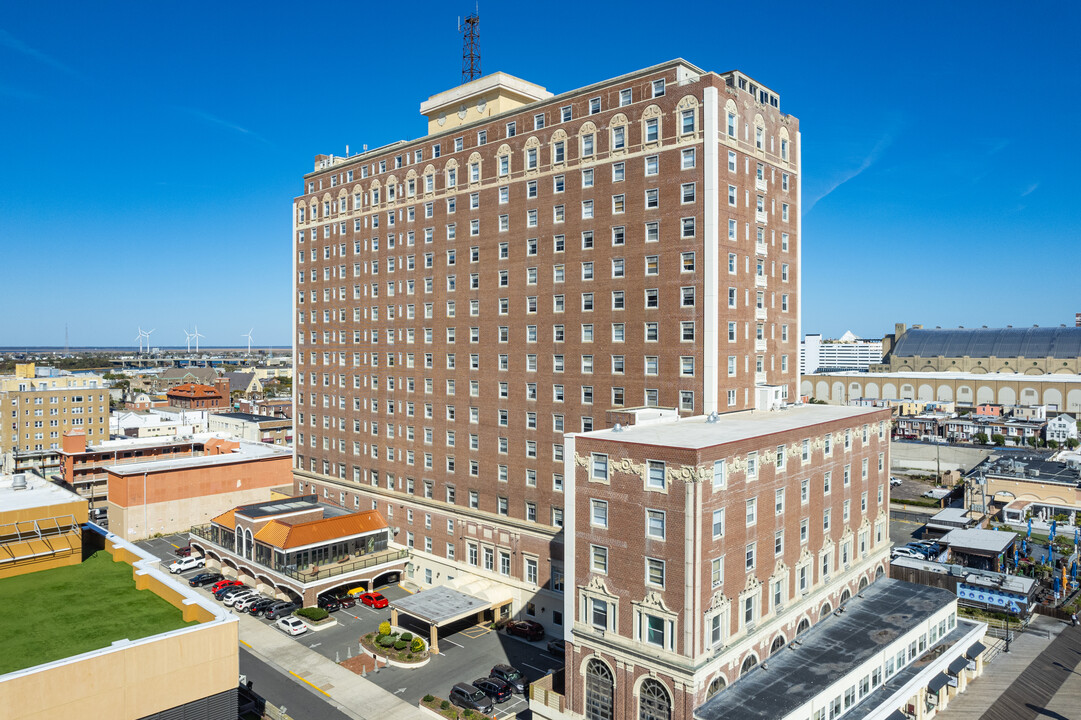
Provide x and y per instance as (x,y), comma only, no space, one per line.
(974,652)
(957,666)
(937,683)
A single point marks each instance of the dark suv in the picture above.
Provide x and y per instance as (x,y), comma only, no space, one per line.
(495,689)
(329,604)
(467,696)
(511,676)
(280,610)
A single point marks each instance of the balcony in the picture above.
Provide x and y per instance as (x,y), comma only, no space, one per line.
(759,313)
(760,378)
(759,345)
(760,216)
(760,248)
(760,184)
(760,281)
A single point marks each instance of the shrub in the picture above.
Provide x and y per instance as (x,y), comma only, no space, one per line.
(384,628)
(400,645)
(409,656)
(429,698)
(313,613)
(445,705)
(417,645)
(407,636)
(468,712)
(388,641)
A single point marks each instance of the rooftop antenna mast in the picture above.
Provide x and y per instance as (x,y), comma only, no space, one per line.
(470,30)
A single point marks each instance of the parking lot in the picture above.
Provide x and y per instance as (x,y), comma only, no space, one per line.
(468,650)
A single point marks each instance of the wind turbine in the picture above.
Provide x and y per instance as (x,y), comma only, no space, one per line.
(147,334)
(249,339)
(189,337)
(197,335)
(139,337)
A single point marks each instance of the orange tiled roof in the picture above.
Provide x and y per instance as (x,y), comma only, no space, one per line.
(285,536)
(194,390)
(226,519)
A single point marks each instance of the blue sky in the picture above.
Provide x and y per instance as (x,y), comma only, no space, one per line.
(149,151)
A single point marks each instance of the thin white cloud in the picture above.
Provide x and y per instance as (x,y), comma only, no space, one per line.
(13,43)
(872,157)
(1030,189)
(214,120)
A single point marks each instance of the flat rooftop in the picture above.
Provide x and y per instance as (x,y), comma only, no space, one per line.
(440,605)
(701,432)
(981,541)
(290,505)
(247,451)
(38,493)
(248,417)
(827,652)
(1032,468)
(71,610)
(975,377)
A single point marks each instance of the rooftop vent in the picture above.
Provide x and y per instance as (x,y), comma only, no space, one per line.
(19,483)
(617,428)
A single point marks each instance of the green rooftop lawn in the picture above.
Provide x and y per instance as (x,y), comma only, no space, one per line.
(54,614)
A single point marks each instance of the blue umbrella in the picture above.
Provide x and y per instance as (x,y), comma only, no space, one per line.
(1058,586)
(1029,528)
(1073,570)
(1024,548)
(1054,523)
(1076,538)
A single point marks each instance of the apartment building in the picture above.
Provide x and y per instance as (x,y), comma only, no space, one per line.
(464,299)
(847,352)
(37,411)
(704,545)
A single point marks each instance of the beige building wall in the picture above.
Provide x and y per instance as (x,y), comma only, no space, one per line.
(135,523)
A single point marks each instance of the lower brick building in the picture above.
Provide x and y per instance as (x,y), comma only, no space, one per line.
(698,547)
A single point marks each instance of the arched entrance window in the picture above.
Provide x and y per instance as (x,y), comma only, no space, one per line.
(249,544)
(599,691)
(749,663)
(715,686)
(826,610)
(803,626)
(653,701)
(879,572)
(778,643)
(863,583)
(845,596)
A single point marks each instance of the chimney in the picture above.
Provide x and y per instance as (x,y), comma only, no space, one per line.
(74,441)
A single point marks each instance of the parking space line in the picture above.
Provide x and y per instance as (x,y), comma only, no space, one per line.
(535,668)
(400,586)
(451,642)
(312,684)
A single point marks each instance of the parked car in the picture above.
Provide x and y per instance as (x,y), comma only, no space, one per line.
(224,583)
(244,604)
(257,608)
(511,676)
(230,590)
(556,647)
(329,604)
(345,600)
(183,551)
(354,592)
(894,481)
(205,578)
(906,552)
(231,599)
(495,689)
(467,696)
(374,600)
(280,610)
(526,628)
(188,563)
(291,626)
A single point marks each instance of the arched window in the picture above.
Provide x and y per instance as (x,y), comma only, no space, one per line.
(653,701)
(715,686)
(879,572)
(749,663)
(845,595)
(239,540)
(863,583)
(778,643)
(599,691)
(249,544)
(803,626)
(826,610)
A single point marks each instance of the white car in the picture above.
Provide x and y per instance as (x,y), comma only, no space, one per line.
(292,626)
(894,481)
(232,600)
(245,603)
(189,563)
(906,552)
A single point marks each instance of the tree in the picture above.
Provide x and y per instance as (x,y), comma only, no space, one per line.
(981,438)
(1072,443)
(1032,440)
(1053,444)
(998,439)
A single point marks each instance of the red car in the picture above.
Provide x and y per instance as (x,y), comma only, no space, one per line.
(224,583)
(374,600)
(526,628)
(183,551)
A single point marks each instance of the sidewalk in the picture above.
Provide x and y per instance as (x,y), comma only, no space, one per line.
(352,694)
(1029,680)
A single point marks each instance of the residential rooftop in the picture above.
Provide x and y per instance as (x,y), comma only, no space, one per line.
(829,651)
(704,431)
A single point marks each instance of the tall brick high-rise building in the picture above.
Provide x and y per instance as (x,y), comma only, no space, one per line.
(532,263)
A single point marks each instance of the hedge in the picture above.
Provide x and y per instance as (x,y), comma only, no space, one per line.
(314,614)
